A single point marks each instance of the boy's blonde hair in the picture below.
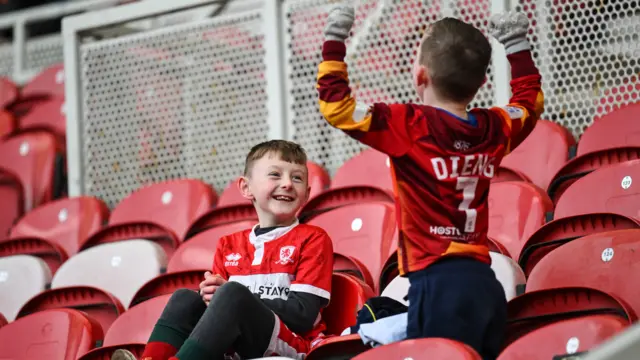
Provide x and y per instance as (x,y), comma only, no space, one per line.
(286,150)
(457,56)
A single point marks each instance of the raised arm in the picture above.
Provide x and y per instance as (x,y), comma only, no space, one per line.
(381,126)
(527,100)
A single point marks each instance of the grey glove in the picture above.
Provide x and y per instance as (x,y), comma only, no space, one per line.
(510,29)
(339,23)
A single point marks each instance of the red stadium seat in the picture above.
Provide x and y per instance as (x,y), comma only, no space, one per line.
(585,164)
(601,261)
(436,348)
(173,204)
(365,232)
(541,154)
(536,309)
(8,92)
(334,198)
(561,231)
(48,116)
(222,216)
(21,277)
(618,128)
(66,222)
(368,168)
(167,284)
(511,226)
(61,334)
(197,252)
(338,347)
(31,157)
(319,180)
(567,337)
(354,267)
(48,83)
(131,330)
(12,206)
(3,320)
(348,295)
(610,189)
(7,123)
(506,174)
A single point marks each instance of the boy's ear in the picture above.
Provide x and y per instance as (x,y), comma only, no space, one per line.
(243,186)
(422,76)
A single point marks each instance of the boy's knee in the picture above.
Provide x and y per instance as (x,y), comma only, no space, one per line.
(185,296)
(234,290)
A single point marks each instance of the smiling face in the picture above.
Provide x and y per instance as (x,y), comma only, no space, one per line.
(277,189)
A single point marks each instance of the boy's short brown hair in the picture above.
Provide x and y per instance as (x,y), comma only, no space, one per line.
(457,56)
(287,150)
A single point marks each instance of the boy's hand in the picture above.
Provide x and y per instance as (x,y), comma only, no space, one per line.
(209,286)
(339,22)
(510,29)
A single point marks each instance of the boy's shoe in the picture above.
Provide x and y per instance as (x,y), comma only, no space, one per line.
(122,354)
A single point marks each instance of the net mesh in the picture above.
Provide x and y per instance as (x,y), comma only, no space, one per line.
(185,101)
(588,52)
(379,64)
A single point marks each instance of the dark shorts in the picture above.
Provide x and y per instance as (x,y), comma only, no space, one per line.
(458,299)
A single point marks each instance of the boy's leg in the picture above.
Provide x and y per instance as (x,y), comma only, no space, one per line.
(458,299)
(237,320)
(179,317)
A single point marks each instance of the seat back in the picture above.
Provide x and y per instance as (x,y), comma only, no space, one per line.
(348,295)
(174,204)
(512,227)
(31,157)
(168,284)
(535,309)
(354,267)
(611,189)
(337,197)
(12,201)
(62,334)
(198,252)
(609,258)
(7,122)
(48,83)
(135,325)
(615,129)
(66,222)
(222,216)
(365,232)
(120,268)
(437,348)
(541,154)
(568,337)
(368,168)
(49,115)
(21,277)
(8,92)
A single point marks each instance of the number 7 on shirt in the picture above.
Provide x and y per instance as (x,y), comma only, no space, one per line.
(468,186)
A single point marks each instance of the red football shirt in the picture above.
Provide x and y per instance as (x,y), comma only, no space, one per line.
(441,165)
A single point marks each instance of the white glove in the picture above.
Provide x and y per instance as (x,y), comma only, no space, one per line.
(510,29)
(339,23)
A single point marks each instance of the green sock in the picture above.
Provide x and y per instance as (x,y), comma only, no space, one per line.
(191,350)
(169,334)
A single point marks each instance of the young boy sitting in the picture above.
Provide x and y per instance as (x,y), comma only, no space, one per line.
(270,282)
(442,160)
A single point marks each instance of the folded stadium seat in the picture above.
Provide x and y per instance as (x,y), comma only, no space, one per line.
(21,277)
(60,334)
(506,269)
(365,232)
(536,309)
(365,177)
(437,348)
(160,212)
(12,206)
(101,279)
(616,129)
(188,264)
(8,92)
(539,156)
(609,257)
(48,116)
(131,330)
(354,267)
(587,163)
(7,124)
(63,225)
(348,296)
(564,338)
(48,83)
(31,158)
(512,227)
(222,216)
(319,181)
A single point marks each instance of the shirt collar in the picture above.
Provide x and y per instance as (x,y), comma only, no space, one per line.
(271,235)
